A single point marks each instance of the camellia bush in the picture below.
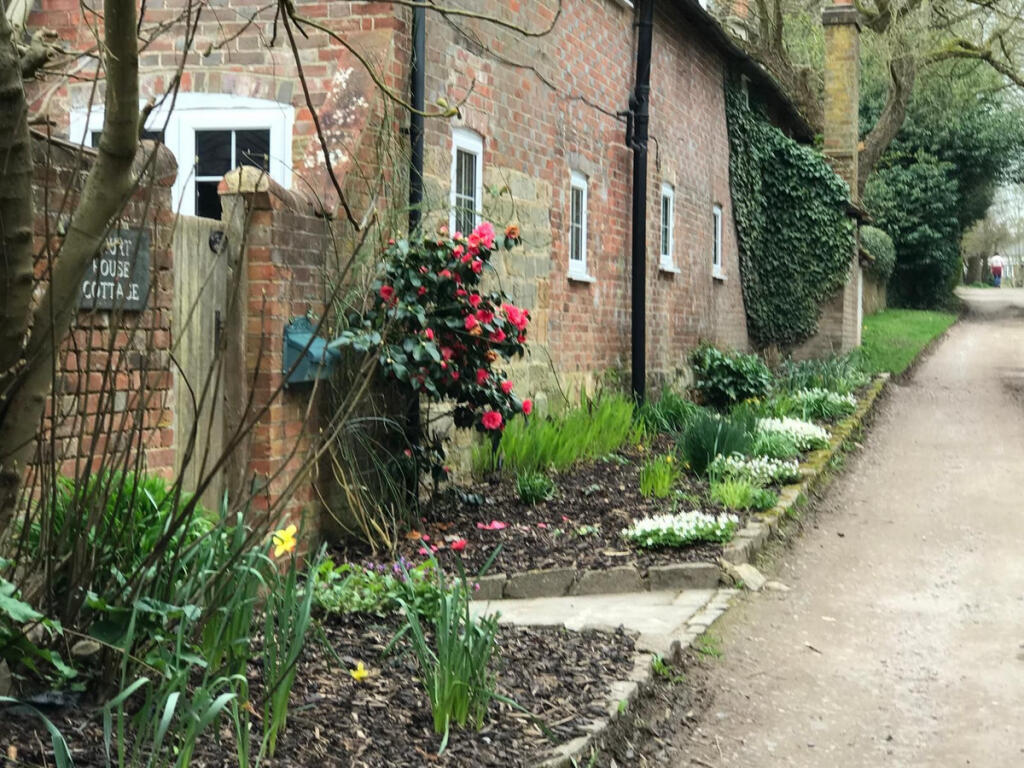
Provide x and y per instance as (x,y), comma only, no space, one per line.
(439,334)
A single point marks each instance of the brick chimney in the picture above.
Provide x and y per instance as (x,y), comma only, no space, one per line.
(842,90)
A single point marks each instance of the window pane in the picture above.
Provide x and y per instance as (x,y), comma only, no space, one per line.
(252,147)
(666,225)
(576,225)
(207,199)
(466,203)
(213,153)
(96,138)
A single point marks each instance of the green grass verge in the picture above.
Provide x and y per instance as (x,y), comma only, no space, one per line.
(894,337)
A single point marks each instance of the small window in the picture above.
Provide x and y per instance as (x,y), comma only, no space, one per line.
(667,225)
(467,179)
(578,225)
(220,151)
(716,254)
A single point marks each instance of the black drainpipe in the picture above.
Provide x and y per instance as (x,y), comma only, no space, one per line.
(639,103)
(416,75)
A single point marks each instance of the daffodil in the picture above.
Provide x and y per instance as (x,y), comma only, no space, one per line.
(284,540)
(360,673)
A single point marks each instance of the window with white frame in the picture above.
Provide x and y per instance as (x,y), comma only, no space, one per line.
(209,135)
(467,180)
(716,253)
(578,225)
(667,225)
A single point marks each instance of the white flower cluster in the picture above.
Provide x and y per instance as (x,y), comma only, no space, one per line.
(832,401)
(806,435)
(680,529)
(760,471)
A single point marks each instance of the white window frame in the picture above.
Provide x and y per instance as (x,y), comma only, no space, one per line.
(578,267)
(717,267)
(667,262)
(472,143)
(199,112)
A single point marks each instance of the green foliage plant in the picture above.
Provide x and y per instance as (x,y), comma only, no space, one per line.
(880,247)
(774,445)
(795,237)
(595,429)
(378,588)
(822,405)
(61,753)
(658,476)
(709,435)
(842,374)
(670,413)
(741,494)
(726,378)
(534,487)
(759,470)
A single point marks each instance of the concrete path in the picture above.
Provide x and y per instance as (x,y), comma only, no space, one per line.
(901,642)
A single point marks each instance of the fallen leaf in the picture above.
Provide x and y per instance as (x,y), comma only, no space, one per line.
(413,535)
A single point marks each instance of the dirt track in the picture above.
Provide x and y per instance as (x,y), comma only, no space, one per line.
(901,642)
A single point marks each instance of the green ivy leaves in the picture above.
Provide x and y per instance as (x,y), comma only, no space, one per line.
(795,238)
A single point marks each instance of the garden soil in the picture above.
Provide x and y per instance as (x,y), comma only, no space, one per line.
(901,639)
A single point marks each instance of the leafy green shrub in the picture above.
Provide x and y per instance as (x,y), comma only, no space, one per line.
(795,238)
(680,529)
(595,429)
(837,374)
(455,661)
(774,445)
(670,413)
(658,476)
(880,248)
(760,471)
(822,405)
(707,436)
(376,587)
(740,493)
(534,487)
(806,435)
(723,379)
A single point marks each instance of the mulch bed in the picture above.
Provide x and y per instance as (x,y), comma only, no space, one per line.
(559,676)
(579,528)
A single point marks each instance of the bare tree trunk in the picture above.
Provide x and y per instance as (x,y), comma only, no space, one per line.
(106,190)
(902,72)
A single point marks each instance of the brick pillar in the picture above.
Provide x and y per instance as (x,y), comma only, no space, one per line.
(840,322)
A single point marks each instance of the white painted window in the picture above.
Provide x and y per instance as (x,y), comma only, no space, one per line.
(467,180)
(578,226)
(717,269)
(668,197)
(209,135)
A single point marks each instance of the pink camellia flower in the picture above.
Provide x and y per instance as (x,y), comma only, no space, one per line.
(485,316)
(474,243)
(474,300)
(467,257)
(492,420)
(458,545)
(387,293)
(457,278)
(429,333)
(527,406)
(447,352)
(506,386)
(424,270)
(497,335)
(444,273)
(477,266)
(443,229)
(485,232)
(460,292)
(422,290)
(458,250)
(457,235)
(516,316)
(521,338)
(481,376)
(455,375)
(471,322)
(494,525)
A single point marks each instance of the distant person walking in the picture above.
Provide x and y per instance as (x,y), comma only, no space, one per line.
(996,265)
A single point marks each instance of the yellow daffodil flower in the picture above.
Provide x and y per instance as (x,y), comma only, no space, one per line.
(669,459)
(284,540)
(360,673)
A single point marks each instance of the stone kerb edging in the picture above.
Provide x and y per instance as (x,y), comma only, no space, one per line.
(748,542)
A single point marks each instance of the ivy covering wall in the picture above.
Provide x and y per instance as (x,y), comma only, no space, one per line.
(795,238)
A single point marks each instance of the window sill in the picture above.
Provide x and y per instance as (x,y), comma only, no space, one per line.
(669,269)
(719,276)
(578,277)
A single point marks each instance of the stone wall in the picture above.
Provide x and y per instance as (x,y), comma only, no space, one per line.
(874,294)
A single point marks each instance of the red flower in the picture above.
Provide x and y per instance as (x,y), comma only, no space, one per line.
(474,300)
(423,269)
(471,322)
(527,406)
(506,386)
(521,338)
(481,376)
(485,233)
(429,333)
(387,293)
(485,316)
(455,375)
(491,420)
(446,353)
(460,292)
(444,273)
(498,335)
(458,250)
(422,290)
(518,317)
(474,242)
(477,266)
(458,545)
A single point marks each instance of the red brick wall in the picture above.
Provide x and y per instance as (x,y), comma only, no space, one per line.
(113,389)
